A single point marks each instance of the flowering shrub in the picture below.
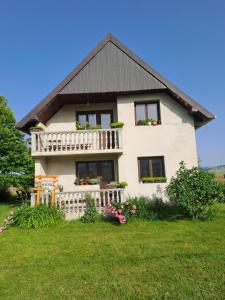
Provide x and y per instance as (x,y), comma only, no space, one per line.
(7,221)
(194,190)
(121,211)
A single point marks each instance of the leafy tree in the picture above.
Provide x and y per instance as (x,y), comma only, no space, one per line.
(16,164)
(194,190)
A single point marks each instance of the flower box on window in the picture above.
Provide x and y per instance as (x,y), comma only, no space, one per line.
(153,179)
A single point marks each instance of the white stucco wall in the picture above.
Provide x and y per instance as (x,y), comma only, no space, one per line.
(65,118)
(174,139)
(64,167)
(40,166)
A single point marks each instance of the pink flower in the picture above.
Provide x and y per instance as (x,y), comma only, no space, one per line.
(116,214)
(110,209)
(133,211)
(2,229)
(122,219)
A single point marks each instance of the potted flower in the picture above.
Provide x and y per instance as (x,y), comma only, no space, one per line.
(60,188)
(143,122)
(79,126)
(149,121)
(122,184)
(81,181)
(93,181)
(117,125)
(36,128)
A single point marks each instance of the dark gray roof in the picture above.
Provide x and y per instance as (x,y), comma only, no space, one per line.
(111,70)
(112,67)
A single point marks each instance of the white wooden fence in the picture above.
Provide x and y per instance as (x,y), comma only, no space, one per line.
(73,204)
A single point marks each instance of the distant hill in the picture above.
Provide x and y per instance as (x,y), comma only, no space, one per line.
(219,170)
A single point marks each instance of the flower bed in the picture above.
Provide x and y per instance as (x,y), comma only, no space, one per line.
(120,212)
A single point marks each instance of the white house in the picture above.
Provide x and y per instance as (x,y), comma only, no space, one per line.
(113,85)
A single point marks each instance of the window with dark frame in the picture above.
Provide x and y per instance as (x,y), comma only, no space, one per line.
(99,119)
(94,169)
(147,110)
(151,167)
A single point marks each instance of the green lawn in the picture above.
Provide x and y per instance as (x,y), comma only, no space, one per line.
(139,260)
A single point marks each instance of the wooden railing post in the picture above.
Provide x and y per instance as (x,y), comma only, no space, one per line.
(39,190)
(53,198)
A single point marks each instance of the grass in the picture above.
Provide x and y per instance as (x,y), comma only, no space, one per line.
(139,260)
(220,178)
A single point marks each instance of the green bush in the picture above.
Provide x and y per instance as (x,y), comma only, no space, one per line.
(221,197)
(194,190)
(142,205)
(153,209)
(91,215)
(27,217)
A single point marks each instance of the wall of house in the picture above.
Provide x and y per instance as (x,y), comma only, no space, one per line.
(65,118)
(64,167)
(40,166)
(174,139)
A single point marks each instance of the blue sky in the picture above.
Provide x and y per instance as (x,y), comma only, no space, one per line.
(41,41)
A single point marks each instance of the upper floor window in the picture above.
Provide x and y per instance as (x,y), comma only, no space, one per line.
(151,167)
(147,110)
(99,119)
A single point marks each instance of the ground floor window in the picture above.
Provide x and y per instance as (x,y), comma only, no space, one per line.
(94,169)
(151,166)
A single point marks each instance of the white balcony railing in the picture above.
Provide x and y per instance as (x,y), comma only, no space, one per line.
(76,141)
(73,203)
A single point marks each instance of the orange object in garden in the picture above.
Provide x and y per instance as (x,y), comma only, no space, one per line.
(46,184)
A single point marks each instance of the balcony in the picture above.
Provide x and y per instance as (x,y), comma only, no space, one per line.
(76,142)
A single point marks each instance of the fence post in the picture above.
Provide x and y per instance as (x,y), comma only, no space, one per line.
(53,198)
(32,200)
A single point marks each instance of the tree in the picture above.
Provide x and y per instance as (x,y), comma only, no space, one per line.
(16,164)
(194,190)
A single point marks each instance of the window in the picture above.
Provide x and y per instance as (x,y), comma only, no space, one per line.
(151,167)
(100,119)
(147,110)
(93,169)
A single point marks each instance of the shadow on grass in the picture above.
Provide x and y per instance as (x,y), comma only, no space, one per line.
(7,198)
